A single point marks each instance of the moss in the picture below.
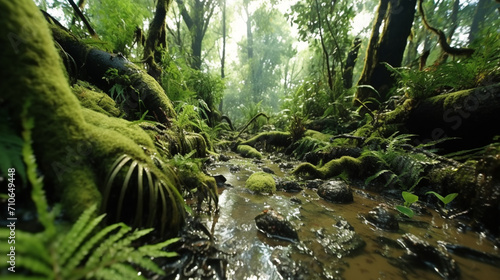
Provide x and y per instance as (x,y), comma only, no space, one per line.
(75,147)
(261,182)
(96,101)
(318,135)
(275,138)
(346,164)
(248,151)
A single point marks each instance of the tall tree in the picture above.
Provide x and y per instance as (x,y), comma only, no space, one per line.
(156,40)
(396,19)
(197,19)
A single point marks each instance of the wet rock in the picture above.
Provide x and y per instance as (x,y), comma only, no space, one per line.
(296,200)
(286,165)
(336,192)
(234,168)
(275,225)
(314,184)
(223,157)
(268,170)
(419,252)
(382,218)
(287,267)
(470,253)
(343,242)
(220,180)
(289,186)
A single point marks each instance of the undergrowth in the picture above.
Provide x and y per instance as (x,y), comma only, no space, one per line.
(88,250)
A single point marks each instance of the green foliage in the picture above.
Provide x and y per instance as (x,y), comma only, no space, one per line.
(397,165)
(142,183)
(480,69)
(308,144)
(10,149)
(115,21)
(409,199)
(445,200)
(199,185)
(297,127)
(120,92)
(84,251)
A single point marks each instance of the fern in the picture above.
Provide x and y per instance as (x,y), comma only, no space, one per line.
(399,166)
(83,251)
(10,149)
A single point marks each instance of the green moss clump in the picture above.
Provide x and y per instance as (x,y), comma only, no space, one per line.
(351,166)
(261,182)
(248,151)
(318,135)
(96,101)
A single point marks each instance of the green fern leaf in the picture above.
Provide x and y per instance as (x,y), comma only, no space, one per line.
(76,235)
(85,249)
(99,253)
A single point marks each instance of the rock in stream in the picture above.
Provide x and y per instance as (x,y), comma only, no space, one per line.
(336,191)
(275,225)
(420,252)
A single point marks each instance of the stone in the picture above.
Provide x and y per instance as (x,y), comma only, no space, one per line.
(275,225)
(421,253)
(382,218)
(336,191)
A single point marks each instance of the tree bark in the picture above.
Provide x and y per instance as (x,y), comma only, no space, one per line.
(388,47)
(92,64)
(156,40)
(479,15)
(352,56)
(467,115)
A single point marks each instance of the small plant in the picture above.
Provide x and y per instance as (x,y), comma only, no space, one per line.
(445,200)
(409,199)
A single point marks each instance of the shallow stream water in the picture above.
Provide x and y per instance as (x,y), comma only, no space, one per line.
(316,255)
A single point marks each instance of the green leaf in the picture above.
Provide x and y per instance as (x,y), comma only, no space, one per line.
(449,198)
(405,210)
(437,195)
(409,198)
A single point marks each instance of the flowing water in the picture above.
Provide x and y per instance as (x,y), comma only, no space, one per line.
(253,255)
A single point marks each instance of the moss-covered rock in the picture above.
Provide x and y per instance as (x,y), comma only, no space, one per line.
(346,164)
(248,151)
(318,135)
(261,182)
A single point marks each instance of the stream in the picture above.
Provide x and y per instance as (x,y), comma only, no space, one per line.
(321,252)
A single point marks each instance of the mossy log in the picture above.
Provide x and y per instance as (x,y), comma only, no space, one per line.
(90,64)
(469,115)
(275,138)
(77,148)
(346,164)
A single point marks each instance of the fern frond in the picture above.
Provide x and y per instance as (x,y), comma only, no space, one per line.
(77,234)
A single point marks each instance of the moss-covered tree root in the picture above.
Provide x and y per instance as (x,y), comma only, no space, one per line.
(346,164)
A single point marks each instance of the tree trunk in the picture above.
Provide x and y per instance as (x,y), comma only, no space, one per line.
(352,56)
(397,17)
(479,16)
(92,65)
(223,56)
(467,115)
(156,40)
